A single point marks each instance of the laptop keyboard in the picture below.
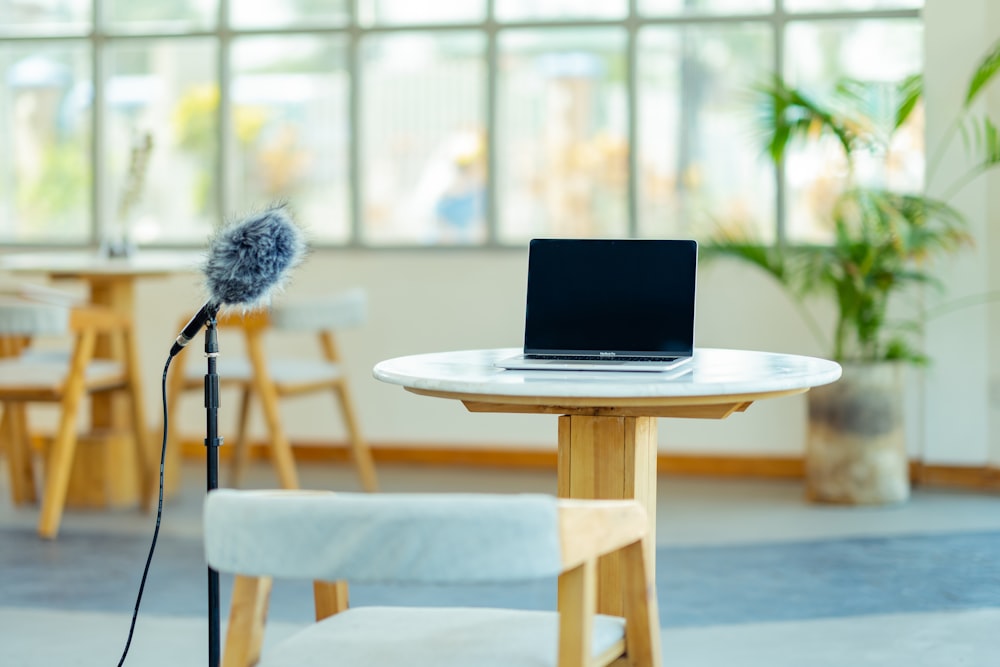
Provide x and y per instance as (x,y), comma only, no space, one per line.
(584,357)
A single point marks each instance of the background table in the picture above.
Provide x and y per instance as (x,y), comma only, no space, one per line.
(608,420)
(103,468)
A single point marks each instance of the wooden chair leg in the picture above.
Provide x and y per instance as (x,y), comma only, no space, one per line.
(641,613)
(60,457)
(14,431)
(281,449)
(59,467)
(240,448)
(146,469)
(330,597)
(577,602)
(247,614)
(172,456)
(140,433)
(360,452)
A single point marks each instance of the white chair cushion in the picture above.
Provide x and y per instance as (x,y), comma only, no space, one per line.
(371,538)
(283,371)
(228,366)
(433,637)
(27,318)
(39,293)
(44,370)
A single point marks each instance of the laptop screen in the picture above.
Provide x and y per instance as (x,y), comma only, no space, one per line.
(587,296)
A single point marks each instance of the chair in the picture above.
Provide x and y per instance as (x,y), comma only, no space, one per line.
(271,379)
(443,539)
(29,376)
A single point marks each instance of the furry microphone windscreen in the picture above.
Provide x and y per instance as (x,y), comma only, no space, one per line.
(249,260)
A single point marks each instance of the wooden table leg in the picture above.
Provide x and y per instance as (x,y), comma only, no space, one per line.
(610,457)
(106,466)
(118,295)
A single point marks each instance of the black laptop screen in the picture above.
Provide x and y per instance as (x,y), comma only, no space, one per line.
(589,296)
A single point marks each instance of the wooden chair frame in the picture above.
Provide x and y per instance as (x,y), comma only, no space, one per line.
(589,529)
(86,324)
(254,327)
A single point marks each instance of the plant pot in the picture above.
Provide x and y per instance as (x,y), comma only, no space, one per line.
(856,449)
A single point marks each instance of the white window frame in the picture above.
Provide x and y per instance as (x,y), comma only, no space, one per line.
(101,36)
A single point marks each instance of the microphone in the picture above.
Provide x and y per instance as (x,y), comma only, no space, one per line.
(247,262)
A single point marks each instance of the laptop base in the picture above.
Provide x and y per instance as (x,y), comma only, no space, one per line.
(521,362)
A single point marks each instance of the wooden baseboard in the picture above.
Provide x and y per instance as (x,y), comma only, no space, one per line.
(709,465)
(730,465)
(973,478)
(498,456)
(505,456)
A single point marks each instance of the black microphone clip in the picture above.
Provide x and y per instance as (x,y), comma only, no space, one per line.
(194,325)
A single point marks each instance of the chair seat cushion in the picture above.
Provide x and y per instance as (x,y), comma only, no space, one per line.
(48,370)
(283,371)
(20,317)
(434,637)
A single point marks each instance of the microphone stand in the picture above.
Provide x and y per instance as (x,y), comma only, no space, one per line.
(212,443)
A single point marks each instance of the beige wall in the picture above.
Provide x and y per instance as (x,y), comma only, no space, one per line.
(442,300)
(993,260)
(961,398)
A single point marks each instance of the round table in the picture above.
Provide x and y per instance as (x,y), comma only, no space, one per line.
(607,443)
(110,280)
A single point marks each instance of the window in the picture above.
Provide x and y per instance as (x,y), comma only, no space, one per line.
(856,48)
(405,123)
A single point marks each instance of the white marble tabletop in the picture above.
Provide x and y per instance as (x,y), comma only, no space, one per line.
(714,372)
(79,262)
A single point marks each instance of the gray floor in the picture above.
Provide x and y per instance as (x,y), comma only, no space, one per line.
(721,523)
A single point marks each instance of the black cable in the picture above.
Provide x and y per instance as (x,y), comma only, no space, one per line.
(159,513)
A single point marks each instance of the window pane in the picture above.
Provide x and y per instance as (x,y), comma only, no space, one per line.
(660,7)
(522,10)
(699,163)
(56,17)
(162,15)
(396,12)
(423,148)
(852,5)
(290,118)
(562,135)
(874,51)
(168,89)
(283,13)
(45,129)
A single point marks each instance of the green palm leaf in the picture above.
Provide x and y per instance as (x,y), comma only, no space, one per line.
(790,114)
(911,89)
(984,74)
(883,241)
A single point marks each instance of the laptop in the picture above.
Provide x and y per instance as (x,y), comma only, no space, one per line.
(608,305)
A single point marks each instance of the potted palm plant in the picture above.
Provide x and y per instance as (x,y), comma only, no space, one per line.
(883,245)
